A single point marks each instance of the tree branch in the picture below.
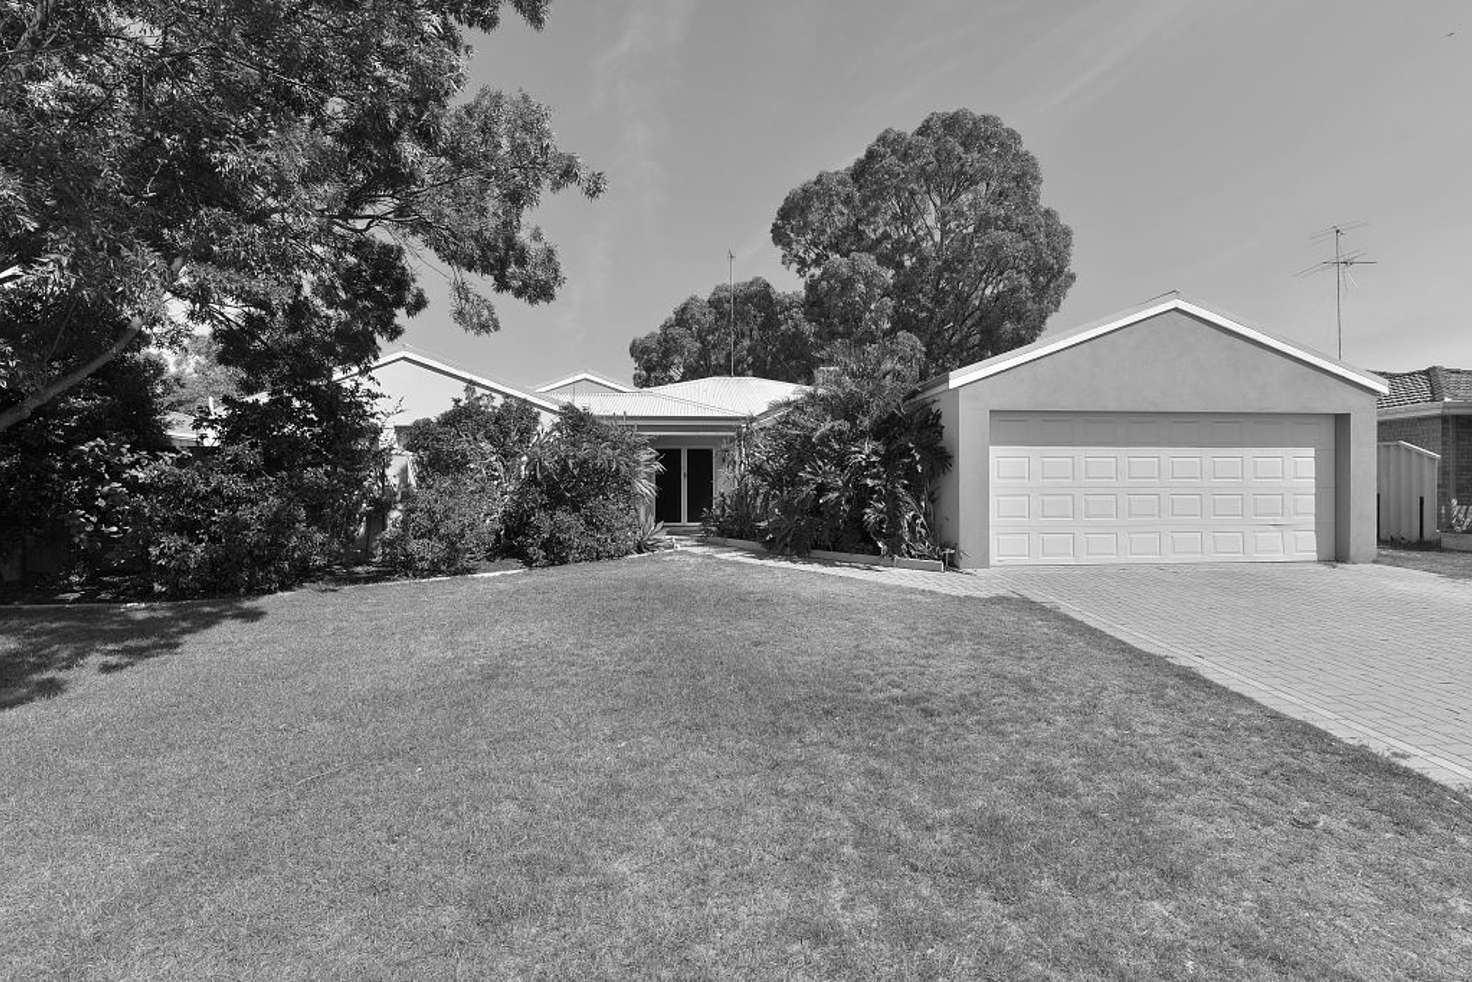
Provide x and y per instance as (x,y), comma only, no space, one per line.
(22,411)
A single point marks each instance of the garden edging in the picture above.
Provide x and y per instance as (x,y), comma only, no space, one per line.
(826,555)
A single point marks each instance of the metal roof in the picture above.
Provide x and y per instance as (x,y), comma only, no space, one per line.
(740,394)
(645,403)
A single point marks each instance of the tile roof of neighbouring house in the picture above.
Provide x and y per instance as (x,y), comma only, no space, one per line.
(741,394)
(1426,385)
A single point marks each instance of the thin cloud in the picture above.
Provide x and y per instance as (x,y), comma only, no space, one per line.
(625,86)
(1118,44)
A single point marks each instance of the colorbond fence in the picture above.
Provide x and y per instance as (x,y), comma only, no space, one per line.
(1406,493)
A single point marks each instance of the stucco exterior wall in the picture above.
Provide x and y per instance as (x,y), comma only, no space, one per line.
(1172,362)
(413,392)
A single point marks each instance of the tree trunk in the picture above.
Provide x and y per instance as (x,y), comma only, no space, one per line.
(20,412)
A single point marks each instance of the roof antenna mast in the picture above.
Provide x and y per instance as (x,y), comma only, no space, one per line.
(1342,263)
(731,279)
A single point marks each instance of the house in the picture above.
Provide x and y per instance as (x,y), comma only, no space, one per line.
(1432,409)
(1169,433)
(687,423)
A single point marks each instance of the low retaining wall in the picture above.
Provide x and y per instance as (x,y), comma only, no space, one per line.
(863,559)
(1457,541)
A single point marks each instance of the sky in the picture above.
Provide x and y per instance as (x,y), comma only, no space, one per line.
(1191,146)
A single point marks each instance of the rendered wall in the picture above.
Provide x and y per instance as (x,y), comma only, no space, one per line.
(1175,363)
(412,392)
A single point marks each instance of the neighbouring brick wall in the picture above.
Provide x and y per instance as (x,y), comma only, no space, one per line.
(1458,439)
(1428,433)
(1423,432)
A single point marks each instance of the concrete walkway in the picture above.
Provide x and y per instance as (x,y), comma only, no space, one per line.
(1375,655)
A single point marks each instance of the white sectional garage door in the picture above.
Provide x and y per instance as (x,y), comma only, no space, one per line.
(1127,488)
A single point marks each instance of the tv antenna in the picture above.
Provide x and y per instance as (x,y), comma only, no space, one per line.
(1342,263)
(731,282)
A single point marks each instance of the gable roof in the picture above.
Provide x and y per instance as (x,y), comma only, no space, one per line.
(744,395)
(1050,344)
(450,371)
(1426,385)
(596,380)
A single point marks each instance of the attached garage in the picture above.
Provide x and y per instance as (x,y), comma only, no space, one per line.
(1171,434)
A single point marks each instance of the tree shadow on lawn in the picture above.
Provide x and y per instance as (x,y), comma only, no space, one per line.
(38,648)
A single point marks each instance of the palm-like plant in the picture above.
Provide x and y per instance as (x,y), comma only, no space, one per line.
(848,466)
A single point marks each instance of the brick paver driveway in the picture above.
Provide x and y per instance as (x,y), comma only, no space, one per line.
(1373,654)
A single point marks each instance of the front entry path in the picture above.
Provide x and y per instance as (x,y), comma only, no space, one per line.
(1375,655)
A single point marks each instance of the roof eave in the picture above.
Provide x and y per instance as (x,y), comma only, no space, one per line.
(1446,407)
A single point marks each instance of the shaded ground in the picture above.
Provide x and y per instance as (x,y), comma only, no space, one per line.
(130,589)
(684,768)
(1456,565)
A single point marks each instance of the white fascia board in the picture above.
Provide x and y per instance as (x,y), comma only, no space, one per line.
(995,366)
(461,374)
(1412,410)
(585,377)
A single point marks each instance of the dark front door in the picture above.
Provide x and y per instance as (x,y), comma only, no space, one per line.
(699,482)
(667,488)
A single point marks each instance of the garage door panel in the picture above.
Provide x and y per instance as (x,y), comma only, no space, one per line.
(1116,488)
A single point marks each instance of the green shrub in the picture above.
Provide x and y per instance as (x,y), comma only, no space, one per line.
(848,466)
(444,526)
(474,437)
(221,525)
(580,493)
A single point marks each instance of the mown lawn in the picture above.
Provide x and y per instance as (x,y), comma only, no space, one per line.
(685,768)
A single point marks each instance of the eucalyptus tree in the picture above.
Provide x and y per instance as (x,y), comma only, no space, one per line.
(953,213)
(266,169)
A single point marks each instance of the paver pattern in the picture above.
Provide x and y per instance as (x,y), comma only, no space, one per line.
(1373,654)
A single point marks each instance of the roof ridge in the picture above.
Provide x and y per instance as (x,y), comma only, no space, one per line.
(585,374)
(1436,375)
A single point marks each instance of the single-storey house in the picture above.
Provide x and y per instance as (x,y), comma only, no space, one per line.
(1166,434)
(687,423)
(1432,409)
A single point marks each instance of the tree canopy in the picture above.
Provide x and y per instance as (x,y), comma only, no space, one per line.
(772,338)
(267,169)
(952,212)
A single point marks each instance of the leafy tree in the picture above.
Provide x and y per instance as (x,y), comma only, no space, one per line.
(475,436)
(953,213)
(70,470)
(194,376)
(263,168)
(848,299)
(772,339)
